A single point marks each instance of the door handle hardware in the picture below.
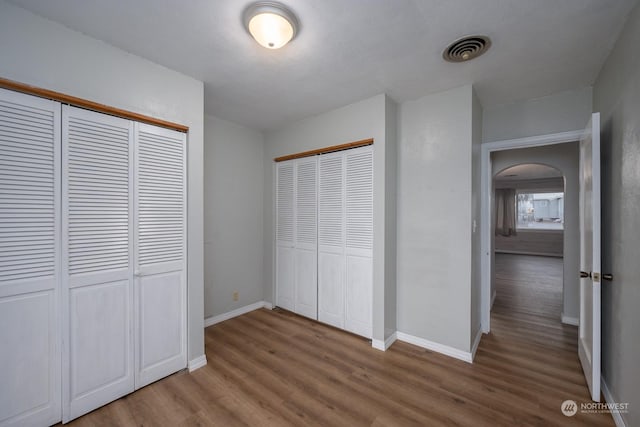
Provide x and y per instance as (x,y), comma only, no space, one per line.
(608,277)
(584,274)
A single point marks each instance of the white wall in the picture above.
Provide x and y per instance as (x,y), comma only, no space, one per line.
(476,247)
(391,237)
(563,157)
(233,223)
(617,97)
(354,122)
(42,53)
(561,112)
(435,217)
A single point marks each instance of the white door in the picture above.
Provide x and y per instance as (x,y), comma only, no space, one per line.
(331,244)
(97,292)
(359,241)
(306,250)
(160,255)
(285,220)
(29,260)
(589,329)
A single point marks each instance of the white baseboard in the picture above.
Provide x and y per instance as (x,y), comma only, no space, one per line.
(384,345)
(476,343)
(268,305)
(493,299)
(235,313)
(197,363)
(570,320)
(437,347)
(617,416)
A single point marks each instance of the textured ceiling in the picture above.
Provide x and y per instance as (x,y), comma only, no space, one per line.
(348,50)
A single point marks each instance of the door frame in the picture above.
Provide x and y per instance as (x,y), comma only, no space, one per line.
(485,206)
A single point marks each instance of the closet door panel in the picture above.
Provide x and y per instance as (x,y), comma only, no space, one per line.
(359,277)
(160,312)
(359,200)
(285,226)
(30,353)
(306,255)
(331,291)
(285,274)
(26,372)
(97,234)
(331,232)
(306,265)
(160,258)
(359,240)
(100,344)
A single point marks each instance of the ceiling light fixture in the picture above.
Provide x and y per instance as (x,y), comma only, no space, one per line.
(270,23)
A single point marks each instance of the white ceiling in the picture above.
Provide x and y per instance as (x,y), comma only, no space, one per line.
(348,50)
(528,171)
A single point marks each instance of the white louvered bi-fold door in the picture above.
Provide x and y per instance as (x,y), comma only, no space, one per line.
(160,256)
(306,252)
(331,243)
(285,231)
(359,240)
(97,301)
(29,260)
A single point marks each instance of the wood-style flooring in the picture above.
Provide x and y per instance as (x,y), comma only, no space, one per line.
(273,368)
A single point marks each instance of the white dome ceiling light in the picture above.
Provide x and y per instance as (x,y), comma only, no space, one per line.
(270,23)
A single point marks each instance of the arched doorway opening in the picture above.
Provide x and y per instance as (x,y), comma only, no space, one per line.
(528,218)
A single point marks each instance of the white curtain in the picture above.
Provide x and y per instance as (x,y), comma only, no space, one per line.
(505,212)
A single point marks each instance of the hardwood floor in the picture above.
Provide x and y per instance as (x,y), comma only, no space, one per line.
(273,368)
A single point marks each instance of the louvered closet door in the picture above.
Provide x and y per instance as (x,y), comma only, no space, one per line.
(331,239)
(306,255)
(160,258)
(29,260)
(97,201)
(359,240)
(285,224)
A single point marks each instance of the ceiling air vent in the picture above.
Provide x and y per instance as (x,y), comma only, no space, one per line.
(466,48)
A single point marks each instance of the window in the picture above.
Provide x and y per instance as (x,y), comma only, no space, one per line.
(540,211)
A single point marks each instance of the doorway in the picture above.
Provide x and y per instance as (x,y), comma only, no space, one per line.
(528,235)
(547,144)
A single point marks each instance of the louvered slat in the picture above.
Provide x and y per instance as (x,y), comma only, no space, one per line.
(359,197)
(27,192)
(161,197)
(284,202)
(331,203)
(306,209)
(98,193)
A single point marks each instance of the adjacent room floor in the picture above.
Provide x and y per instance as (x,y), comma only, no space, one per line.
(274,368)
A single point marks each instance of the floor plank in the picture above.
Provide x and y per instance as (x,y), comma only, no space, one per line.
(273,368)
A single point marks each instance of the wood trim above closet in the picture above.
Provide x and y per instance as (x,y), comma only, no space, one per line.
(90,105)
(331,149)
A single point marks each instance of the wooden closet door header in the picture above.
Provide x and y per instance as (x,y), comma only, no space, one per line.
(325,150)
(89,105)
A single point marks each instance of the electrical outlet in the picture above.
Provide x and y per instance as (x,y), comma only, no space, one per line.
(235,296)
